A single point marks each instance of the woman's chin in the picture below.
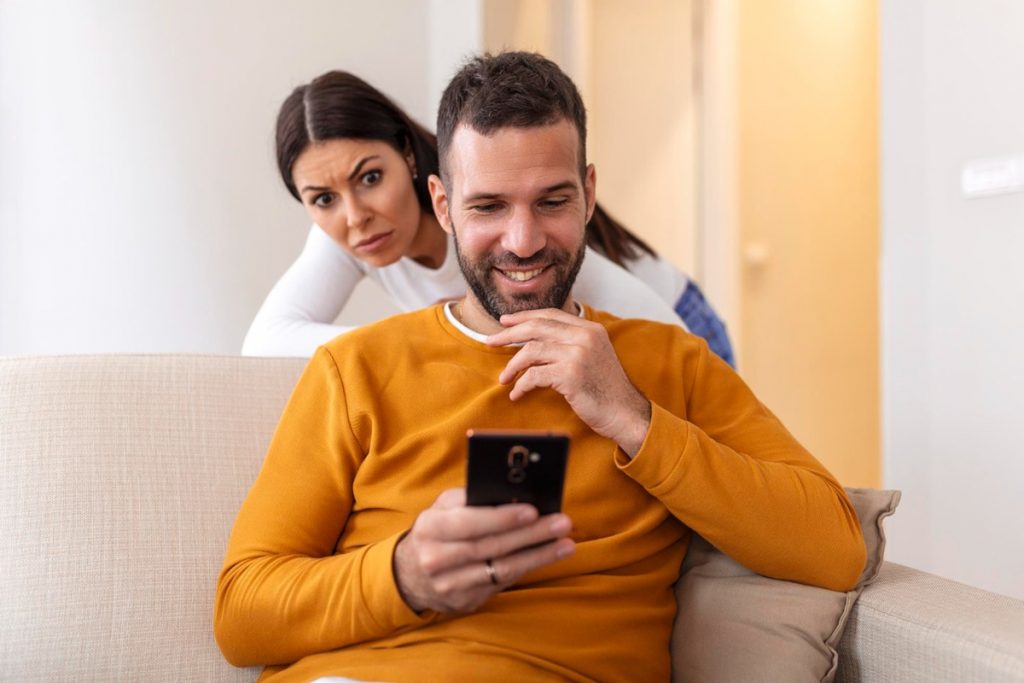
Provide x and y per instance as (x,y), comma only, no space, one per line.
(379,259)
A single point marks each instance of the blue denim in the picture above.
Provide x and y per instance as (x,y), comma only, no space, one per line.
(702,320)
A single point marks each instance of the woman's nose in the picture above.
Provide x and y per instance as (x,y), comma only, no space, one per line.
(357,214)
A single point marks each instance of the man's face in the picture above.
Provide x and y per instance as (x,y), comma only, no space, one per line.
(518,208)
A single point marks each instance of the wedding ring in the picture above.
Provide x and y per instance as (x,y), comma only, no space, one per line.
(491,574)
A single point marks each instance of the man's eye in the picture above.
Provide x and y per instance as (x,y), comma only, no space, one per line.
(485,208)
(371,177)
(323,200)
(553,203)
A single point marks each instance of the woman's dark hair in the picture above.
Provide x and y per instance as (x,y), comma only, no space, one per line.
(611,238)
(340,105)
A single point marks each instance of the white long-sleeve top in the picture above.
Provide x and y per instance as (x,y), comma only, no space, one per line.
(298,315)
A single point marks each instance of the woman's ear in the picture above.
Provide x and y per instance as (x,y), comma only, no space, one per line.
(410,160)
(439,200)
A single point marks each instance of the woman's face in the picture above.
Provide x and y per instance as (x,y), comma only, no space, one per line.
(360,192)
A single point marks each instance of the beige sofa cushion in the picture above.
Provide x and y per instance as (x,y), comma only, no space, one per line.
(735,625)
(121,478)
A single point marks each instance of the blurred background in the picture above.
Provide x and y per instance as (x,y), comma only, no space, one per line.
(845,179)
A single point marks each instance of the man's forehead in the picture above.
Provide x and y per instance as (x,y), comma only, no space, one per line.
(514,159)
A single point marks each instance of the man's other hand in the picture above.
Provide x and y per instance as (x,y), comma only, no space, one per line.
(576,358)
(456,557)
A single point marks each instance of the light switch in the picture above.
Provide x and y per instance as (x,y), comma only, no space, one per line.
(986,177)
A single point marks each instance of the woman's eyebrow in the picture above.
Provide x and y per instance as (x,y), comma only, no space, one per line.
(362,162)
(355,172)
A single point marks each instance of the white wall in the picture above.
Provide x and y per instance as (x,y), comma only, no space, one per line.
(140,208)
(953,287)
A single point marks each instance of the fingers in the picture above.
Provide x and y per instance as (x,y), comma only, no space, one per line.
(510,568)
(507,569)
(466,588)
(443,556)
(535,377)
(467,523)
(542,325)
(434,571)
(451,498)
(536,353)
(510,319)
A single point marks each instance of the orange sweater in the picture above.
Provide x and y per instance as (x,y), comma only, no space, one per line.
(375,430)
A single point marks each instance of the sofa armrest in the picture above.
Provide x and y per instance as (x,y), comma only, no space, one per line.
(913,626)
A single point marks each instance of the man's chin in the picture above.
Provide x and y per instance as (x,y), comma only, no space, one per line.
(518,303)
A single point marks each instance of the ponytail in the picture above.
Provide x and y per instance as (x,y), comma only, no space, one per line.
(613,240)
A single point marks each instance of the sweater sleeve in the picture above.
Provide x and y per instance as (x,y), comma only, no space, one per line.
(603,285)
(298,314)
(283,593)
(735,475)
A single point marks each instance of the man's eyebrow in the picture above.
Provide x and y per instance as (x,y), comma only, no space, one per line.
(567,185)
(557,187)
(353,174)
(479,196)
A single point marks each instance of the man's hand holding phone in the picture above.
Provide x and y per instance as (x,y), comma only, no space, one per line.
(456,557)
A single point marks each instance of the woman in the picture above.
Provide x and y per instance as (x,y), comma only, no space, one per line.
(360,165)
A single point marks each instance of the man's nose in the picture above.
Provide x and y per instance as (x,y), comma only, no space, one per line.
(524,235)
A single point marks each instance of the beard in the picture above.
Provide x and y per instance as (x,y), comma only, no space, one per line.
(480,276)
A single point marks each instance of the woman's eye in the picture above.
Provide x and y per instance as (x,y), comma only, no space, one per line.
(323,200)
(371,177)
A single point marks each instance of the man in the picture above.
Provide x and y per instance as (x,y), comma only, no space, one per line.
(355,555)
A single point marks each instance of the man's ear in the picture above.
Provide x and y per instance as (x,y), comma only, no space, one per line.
(590,190)
(439,200)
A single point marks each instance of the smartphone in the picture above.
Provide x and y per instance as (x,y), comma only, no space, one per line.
(516,467)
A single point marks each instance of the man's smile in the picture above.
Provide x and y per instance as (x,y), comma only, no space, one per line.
(521,275)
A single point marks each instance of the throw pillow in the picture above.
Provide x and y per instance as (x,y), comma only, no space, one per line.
(735,625)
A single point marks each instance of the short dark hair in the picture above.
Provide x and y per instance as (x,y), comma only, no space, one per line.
(338,104)
(509,90)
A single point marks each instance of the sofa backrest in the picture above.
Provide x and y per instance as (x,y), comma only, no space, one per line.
(120,477)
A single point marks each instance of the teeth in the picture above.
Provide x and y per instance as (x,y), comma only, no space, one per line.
(522,275)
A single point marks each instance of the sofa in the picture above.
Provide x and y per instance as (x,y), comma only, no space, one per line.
(120,477)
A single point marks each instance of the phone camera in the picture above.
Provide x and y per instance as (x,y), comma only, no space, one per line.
(518,458)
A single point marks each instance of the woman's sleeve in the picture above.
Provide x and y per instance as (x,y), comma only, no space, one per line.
(605,286)
(299,312)
(283,593)
(687,300)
